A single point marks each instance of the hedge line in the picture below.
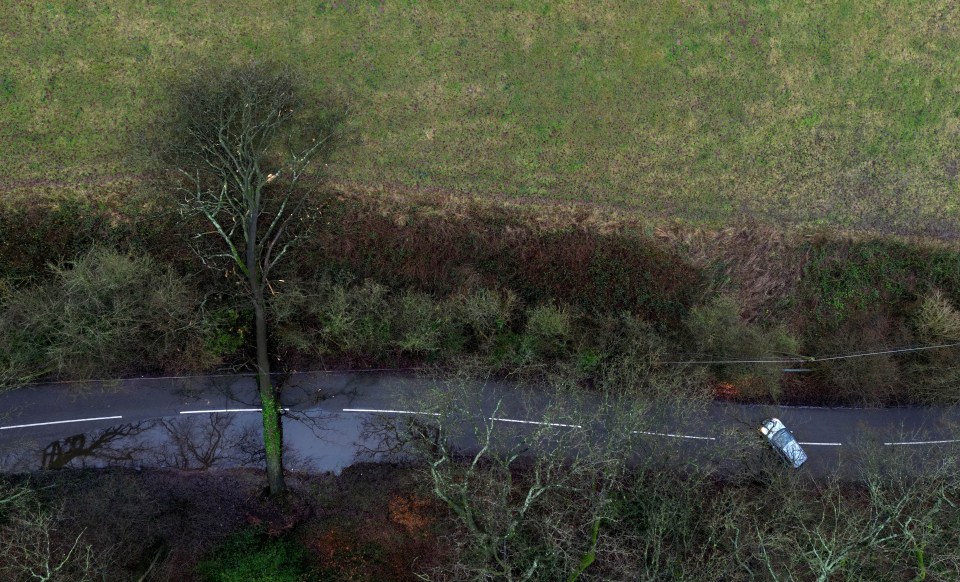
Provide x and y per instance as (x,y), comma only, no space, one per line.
(851,294)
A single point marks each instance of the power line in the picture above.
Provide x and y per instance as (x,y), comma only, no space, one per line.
(891,351)
(189,377)
(792,361)
(757,360)
(818,358)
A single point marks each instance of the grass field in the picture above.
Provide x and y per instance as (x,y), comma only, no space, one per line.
(839,113)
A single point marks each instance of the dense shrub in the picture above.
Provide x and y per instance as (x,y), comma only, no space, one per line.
(844,278)
(936,319)
(483,329)
(370,322)
(33,547)
(581,267)
(485,314)
(885,522)
(933,376)
(875,295)
(719,333)
(341,320)
(103,315)
(630,356)
(479,281)
(34,235)
(327,318)
(549,329)
(871,380)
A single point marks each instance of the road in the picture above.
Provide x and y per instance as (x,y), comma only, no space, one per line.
(212,421)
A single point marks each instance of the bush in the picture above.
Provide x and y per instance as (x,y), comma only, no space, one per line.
(549,329)
(32,235)
(719,333)
(368,320)
(485,313)
(104,315)
(633,362)
(869,380)
(334,318)
(545,339)
(421,325)
(225,329)
(251,556)
(936,320)
(361,319)
(934,376)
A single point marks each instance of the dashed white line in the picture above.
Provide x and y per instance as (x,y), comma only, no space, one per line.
(799,406)
(61,422)
(821,444)
(227,410)
(535,422)
(390,411)
(922,442)
(676,436)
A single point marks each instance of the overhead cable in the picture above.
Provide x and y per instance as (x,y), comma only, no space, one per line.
(817,358)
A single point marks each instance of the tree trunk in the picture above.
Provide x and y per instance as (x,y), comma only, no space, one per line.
(270,401)
(269,398)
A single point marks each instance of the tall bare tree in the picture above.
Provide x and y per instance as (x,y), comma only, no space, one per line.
(241,140)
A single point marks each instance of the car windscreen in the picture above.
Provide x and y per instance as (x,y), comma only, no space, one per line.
(783,438)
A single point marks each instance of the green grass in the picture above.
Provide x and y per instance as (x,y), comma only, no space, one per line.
(251,556)
(838,113)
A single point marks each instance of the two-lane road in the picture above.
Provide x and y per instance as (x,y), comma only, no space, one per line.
(49,425)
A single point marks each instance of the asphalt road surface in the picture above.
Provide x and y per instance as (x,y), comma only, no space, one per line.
(210,422)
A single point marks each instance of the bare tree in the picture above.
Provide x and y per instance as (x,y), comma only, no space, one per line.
(530,497)
(10,495)
(892,521)
(242,139)
(33,547)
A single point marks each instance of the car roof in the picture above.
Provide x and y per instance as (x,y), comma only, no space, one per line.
(784,442)
(794,453)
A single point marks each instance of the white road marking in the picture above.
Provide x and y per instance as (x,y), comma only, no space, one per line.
(61,422)
(676,436)
(790,406)
(535,422)
(923,442)
(390,411)
(821,444)
(227,410)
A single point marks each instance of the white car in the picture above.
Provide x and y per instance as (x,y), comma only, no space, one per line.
(783,441)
